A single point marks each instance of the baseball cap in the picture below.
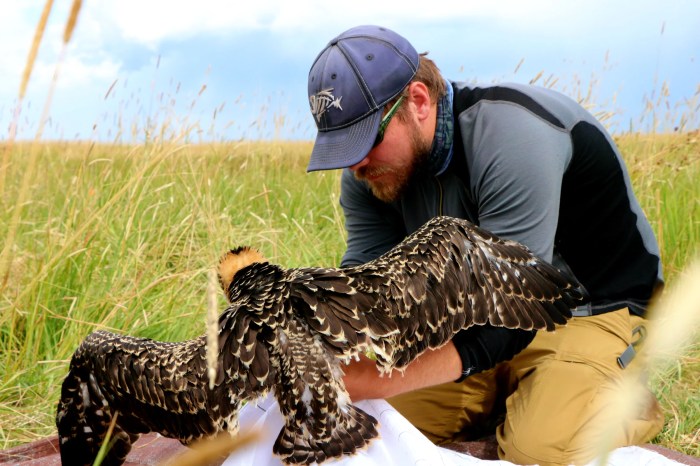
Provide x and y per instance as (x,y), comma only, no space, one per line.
(350,82)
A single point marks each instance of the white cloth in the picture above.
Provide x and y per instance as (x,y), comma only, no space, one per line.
(399,443)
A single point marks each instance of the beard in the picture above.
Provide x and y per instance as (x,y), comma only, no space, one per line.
(402,177)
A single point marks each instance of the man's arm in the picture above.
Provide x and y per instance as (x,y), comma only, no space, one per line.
(363,380)
(473,350)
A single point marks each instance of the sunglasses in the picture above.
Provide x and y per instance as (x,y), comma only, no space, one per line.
(385,122)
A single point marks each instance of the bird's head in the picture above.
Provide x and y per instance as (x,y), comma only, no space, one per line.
(235,260)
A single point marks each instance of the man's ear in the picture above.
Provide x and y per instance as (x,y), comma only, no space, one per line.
(419,96)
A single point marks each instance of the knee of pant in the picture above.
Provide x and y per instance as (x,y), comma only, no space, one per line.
(536,446)
(535,454)
(526,452)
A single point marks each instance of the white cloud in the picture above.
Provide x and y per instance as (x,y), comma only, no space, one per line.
(75,73)
(150,22)
(16,38)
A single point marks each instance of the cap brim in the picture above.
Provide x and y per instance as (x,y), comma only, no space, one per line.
(344,147)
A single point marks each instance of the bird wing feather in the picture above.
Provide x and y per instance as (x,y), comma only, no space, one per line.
(447,276)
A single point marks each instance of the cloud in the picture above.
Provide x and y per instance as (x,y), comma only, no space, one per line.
(154,21)
(151,22)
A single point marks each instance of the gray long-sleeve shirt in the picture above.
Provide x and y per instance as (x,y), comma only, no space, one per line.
(531,165)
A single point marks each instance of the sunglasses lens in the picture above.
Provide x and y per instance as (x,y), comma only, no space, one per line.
(385,122)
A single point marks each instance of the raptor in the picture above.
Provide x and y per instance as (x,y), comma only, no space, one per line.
(290,331)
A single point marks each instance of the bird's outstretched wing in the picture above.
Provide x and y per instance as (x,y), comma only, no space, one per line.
(445,277)
(147,385)
(155,386)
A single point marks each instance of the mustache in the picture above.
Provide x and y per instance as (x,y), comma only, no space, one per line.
(371,172)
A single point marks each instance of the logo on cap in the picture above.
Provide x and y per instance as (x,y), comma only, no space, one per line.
(322,101)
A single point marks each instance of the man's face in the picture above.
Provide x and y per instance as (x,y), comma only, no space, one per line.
(390,167)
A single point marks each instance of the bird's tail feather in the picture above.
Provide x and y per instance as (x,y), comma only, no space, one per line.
(353,433)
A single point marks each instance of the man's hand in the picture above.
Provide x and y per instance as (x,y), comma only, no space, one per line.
(363,380)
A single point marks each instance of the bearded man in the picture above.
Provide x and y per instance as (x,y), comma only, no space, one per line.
(528,164)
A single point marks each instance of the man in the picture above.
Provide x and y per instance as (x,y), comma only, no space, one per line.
(527,164)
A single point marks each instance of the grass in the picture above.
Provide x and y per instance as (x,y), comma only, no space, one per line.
(665,170)
(123,238)
(666,174)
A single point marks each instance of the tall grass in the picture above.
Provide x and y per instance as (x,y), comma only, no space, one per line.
(666,174)
(123,238)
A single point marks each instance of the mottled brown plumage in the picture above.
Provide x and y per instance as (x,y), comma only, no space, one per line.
(290,330)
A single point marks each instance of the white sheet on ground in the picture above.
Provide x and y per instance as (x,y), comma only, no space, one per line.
(400,444)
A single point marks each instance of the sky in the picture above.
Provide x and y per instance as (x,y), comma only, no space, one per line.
(216,70)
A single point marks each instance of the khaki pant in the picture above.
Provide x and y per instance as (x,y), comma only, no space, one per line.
(557,396)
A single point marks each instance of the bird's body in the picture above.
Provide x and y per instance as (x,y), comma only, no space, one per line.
(290,330)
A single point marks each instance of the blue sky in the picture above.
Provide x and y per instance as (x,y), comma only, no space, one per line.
(222,70)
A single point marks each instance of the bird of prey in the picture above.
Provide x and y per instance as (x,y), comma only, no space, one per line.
(291,330)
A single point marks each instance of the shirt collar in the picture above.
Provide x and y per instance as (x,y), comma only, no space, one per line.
(441,152)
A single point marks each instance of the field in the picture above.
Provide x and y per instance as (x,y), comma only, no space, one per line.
(122,238)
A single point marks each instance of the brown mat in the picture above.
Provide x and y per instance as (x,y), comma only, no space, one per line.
(154,450)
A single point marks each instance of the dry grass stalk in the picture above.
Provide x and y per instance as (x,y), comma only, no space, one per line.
(518,65)
(537,77)
(675,316)
(38,34)
(208,451)
(212,327)
(72,20)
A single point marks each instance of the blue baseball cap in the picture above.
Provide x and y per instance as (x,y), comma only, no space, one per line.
(350,82)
